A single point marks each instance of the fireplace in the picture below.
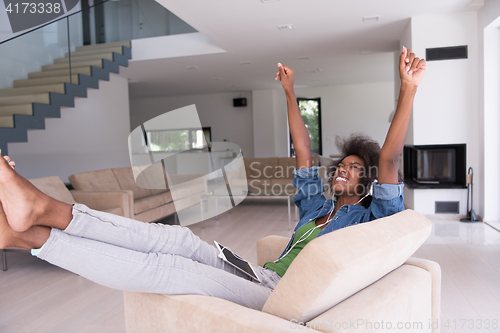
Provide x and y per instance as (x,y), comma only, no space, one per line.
(435,166)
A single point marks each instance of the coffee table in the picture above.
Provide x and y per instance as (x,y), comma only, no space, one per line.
(215,196)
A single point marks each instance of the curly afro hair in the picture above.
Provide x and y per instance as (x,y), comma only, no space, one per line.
(365,148)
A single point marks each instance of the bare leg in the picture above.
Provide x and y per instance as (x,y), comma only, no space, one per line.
(33,238)
(25,206)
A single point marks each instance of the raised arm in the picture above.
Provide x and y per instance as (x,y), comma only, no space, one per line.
(411,71)
(298,130)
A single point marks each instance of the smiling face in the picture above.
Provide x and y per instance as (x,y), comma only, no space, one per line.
(346,179)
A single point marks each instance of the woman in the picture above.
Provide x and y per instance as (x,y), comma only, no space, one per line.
(351,177)
(129,255)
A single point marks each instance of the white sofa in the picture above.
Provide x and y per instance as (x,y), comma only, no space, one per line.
(358,278)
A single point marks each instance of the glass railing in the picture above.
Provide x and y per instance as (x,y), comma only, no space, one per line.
(106,22)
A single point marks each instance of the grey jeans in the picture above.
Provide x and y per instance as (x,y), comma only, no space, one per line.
(125,254)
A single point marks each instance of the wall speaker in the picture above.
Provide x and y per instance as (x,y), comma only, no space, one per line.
(446,53)
(447,207)
(239,102)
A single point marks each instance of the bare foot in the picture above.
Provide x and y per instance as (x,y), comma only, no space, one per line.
(11,163)
(25,206)
(33,238)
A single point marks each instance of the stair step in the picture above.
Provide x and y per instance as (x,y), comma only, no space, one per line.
(7,121)
(25,99)
(96,63)
(117,49)
(57,88)
(61,72)
(44,81)
(74,60)
(11,110)
(103,46)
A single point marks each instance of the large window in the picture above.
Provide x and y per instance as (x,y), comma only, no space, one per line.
(178,140)
(310,110)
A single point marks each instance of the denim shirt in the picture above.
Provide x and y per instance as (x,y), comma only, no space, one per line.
(387,199)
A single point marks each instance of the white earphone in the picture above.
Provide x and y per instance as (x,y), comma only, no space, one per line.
(310,231)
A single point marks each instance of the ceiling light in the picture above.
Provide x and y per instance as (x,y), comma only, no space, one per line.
(304,58)
(245,62)
(286,27)
(371,18)
(191,67)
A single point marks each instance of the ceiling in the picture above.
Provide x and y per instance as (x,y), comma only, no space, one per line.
(340,46)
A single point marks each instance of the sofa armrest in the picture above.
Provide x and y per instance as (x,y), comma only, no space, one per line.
(435,270)
(269,248)
(105,200)
(402,297)
(190,179)
(151,313)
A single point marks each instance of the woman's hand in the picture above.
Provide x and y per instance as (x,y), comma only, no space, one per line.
(411,68)
(285,75)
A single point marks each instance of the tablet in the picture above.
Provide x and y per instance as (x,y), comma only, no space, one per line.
(236,261)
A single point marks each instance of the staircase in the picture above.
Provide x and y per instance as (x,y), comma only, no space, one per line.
(41,96)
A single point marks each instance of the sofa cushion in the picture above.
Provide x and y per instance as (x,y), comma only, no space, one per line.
(260,186)
(341,263)
(166,197)
(282,186)
(144,204)
(288,164)
(285,167)
(99,180)
(151,177)
(54,187)
(262,168)
(116,211)
(125,179)
(156,214)
(186,190)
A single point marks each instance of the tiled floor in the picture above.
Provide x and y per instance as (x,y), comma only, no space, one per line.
(38,297)
(469,255)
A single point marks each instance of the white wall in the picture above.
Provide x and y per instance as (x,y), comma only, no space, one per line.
(344,109)
(352,108)
(91,136)
(446,106)
(215,110)
(127,20)
(489,115)
(269,111)
(405,41)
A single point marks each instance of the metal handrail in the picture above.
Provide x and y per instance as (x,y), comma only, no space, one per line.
(56,20)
